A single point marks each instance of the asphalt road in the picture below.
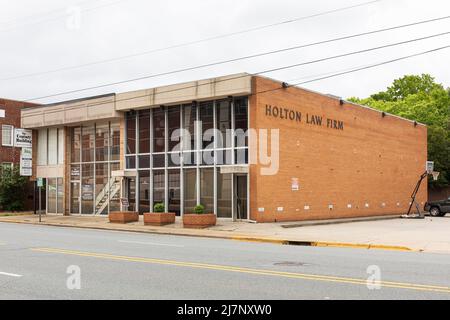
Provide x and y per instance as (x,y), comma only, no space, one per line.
(35,260)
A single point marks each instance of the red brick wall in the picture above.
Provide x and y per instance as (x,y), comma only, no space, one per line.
(374,159)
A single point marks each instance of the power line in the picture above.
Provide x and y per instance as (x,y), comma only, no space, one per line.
(360,68)
(238,59)
(281,87)
(184,44)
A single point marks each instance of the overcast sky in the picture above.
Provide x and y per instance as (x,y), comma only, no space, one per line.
(40,36)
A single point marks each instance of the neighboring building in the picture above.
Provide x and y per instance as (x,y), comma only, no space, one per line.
(334,159)
(10,120)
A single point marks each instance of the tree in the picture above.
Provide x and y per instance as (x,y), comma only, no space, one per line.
(421,99)
(12,190)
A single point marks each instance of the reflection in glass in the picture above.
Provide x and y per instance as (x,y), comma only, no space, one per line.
(207,189)
(174,192)
(144,192)
(131,133)
(173,115)
(115,141)
(159,186)
(88,141)
(190,190)
(75,198)
(224,123)
(224,195)
(101,188)
(51,195)
(87,189)
(189,118)
(101,142)
(76,144)
(159,130)
(60,198)
(144,131)
(206,110)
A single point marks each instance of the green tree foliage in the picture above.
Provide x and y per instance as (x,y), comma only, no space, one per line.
(421,99)
(12,190)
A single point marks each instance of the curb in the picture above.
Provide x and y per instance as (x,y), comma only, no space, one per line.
(235,238)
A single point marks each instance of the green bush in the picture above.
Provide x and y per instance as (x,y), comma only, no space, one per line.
(12,190)
(200,209)
(159,208)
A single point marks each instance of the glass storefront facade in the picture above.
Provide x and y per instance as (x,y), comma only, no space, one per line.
(95,153)
(178,152)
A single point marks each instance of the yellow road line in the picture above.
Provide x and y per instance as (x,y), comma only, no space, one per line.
(389,284)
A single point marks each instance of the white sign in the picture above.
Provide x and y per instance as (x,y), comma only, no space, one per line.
(2,113)
(23,138)
(26,162)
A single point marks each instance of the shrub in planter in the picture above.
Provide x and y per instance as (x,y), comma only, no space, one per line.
(199,219)
(159,217)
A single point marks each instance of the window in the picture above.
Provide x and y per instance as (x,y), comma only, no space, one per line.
(159,130)
(224,124)
(131,133)
(173,115)
(207,123)
(207,189)
(7,135)
(144,131)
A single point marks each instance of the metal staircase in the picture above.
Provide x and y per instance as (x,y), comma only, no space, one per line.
(101,202)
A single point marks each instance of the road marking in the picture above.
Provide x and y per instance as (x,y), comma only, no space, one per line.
(152,243)
(388,284)
(10,274)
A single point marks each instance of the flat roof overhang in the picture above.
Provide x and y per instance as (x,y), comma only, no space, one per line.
(70,113)
(214,88)
(112,106)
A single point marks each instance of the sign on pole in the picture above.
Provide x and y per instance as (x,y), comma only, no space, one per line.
(26,162)
(23,138)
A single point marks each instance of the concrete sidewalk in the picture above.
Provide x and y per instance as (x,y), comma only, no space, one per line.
(429,235)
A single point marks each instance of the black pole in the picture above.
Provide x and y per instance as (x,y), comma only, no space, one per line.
(414,194)
(34,197)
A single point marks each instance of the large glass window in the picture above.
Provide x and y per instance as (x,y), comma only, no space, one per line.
(224,124)
(101,142)
(76,144)
(87,189)
(88,142)
(114,197)
(207,122)
(115,141)
(131,133)
(92,191)
(144,192)
(174,192)
(42,147)
(173,118)
(241,121)
(207,189)
(102,188)
(159,130)
(159,189)
(51,195)
(144,131)
(60,196)
(224,195)
(190,190)
(189,118)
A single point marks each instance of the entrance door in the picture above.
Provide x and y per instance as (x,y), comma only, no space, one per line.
(131,193)
(241,197)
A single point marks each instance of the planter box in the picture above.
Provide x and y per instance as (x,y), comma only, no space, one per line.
(199,221)
(158,219)
(123,217)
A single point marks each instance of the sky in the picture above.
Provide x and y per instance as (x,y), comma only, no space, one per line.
(39,37)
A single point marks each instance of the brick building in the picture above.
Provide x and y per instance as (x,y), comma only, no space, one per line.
(246,147)
(9,120)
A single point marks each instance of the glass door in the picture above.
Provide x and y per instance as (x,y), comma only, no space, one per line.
(75,198)
(241,197)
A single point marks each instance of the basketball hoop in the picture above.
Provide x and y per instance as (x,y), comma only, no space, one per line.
(435,175)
